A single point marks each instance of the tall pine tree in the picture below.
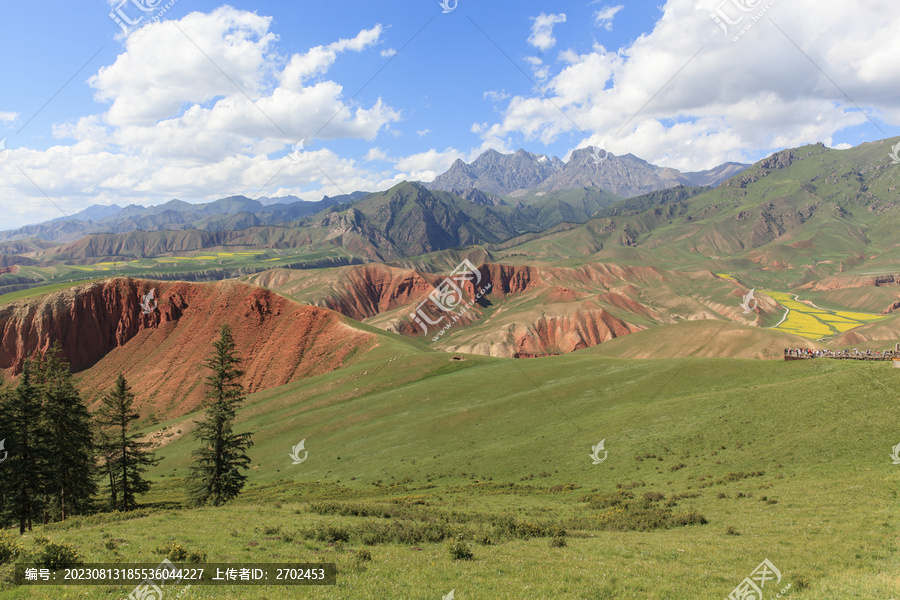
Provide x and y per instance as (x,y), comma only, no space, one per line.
(22,473)
(125,459)
(70,469)
(216,478)
(106,454)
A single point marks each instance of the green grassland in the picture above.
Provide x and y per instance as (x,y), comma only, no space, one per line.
(786,461)
(202,265)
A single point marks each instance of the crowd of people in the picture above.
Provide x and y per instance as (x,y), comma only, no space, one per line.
(848,354)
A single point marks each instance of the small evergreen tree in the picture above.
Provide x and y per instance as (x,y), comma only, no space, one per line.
(68,447)
(216,478)
(106,454)
(124,458)
(21,474)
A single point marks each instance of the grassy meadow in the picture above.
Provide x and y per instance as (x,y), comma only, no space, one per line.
(417,459)
(204,265)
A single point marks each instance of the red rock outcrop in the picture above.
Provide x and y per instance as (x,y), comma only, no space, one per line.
(560,335)
(894,306)
(529,311)
(103,331)
(509,279)
(373,289)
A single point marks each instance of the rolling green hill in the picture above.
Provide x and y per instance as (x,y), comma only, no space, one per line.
(798,216)
(786,461)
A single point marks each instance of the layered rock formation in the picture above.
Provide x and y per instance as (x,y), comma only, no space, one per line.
(103,331)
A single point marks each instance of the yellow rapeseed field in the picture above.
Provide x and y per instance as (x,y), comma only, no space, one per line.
(816,323)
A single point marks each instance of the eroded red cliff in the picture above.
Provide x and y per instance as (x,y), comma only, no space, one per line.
(103,331)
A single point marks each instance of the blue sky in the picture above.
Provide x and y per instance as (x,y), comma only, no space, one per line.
(202,100)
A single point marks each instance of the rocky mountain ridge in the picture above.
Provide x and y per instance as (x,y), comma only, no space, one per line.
(522,172)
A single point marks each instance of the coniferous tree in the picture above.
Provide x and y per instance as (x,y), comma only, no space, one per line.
(68,446)
(22,473)
(4,453)
(216,476)
(125,459)
(106,452)
(6,442)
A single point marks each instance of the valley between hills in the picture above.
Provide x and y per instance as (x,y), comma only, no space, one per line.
(609,300)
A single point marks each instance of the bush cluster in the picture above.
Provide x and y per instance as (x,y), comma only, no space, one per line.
(55,556)
(10,546)
(177,553)
(510,527)
(621,511)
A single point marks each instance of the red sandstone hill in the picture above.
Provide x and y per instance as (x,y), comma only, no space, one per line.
(103,331)
(530,310)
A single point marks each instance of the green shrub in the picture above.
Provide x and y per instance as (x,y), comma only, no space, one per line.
(558,542)
(10,546)
(563,487)
(174,552)
(81,521)
(508,526)
(460,551)
(405,532)
(57,556)
(601,501)
(622,512)
(691,517)
(484,538)
(330,534)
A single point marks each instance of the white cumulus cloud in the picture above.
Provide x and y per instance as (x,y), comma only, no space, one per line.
(604,17)
(686,96)
(197,109)
(542,30)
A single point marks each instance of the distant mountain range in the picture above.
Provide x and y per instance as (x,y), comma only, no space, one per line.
(227,214)
(538,190)
(404,221)
(525,173)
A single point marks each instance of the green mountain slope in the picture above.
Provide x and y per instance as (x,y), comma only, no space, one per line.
(797,216)
(787,461)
